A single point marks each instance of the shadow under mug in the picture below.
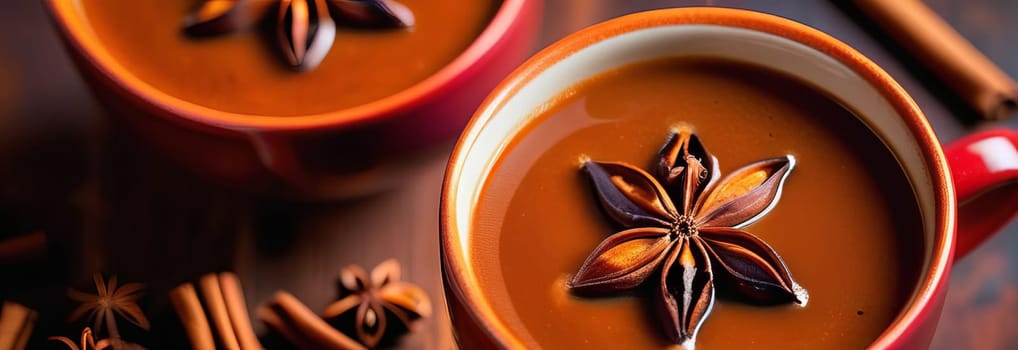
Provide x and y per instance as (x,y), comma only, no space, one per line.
(338,154)
(982,169)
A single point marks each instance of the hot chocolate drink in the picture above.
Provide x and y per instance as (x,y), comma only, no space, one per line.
(846,226)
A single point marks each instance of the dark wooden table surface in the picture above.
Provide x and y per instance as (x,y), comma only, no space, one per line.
(110,205)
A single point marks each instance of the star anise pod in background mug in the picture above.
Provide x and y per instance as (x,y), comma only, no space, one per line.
(684,230)
(382,306)
(304,29)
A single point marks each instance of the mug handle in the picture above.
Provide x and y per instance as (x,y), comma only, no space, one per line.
(984,166)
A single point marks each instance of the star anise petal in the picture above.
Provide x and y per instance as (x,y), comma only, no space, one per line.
(372,13)
(353,279)
(127,292)
(622,261)
(105,315)
(370,323)
(686,292)
(405,308)
(81,297)
(386,272)
(402,317)
(407,297)
(746,195)
(100,288)
(305,32)
(341,306)
(756,269)
(630,195)
(132,313)
(673,160)
(81,310)
(214,17)
(123,302)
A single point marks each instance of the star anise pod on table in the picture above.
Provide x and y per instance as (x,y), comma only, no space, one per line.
(684,233)
(109,302)
(377,301)
(304,29)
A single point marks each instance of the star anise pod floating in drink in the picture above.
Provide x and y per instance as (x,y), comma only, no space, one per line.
(382,306)
(684,233)
(304,29)
(108,303)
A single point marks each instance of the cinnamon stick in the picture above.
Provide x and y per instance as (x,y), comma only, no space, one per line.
(971,75)
(216,306)
(188,307)
(16,323)
(237,307)
(270,315)
(221,304)
(301,326)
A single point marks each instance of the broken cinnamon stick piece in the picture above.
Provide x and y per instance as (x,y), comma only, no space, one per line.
(978,81)
(303,327)
(16,323)
(188,307)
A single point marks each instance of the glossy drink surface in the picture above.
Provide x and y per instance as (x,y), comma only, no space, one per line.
(243,72)
(847,224)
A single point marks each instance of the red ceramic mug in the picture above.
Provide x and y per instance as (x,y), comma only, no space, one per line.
(341,153)
(980,171)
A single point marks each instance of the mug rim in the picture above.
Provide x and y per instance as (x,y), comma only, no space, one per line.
(70,18)
(924,294)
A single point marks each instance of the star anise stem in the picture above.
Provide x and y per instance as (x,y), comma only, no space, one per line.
(683,241)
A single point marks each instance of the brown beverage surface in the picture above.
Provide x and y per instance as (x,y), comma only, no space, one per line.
(847,224)
(243,73)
